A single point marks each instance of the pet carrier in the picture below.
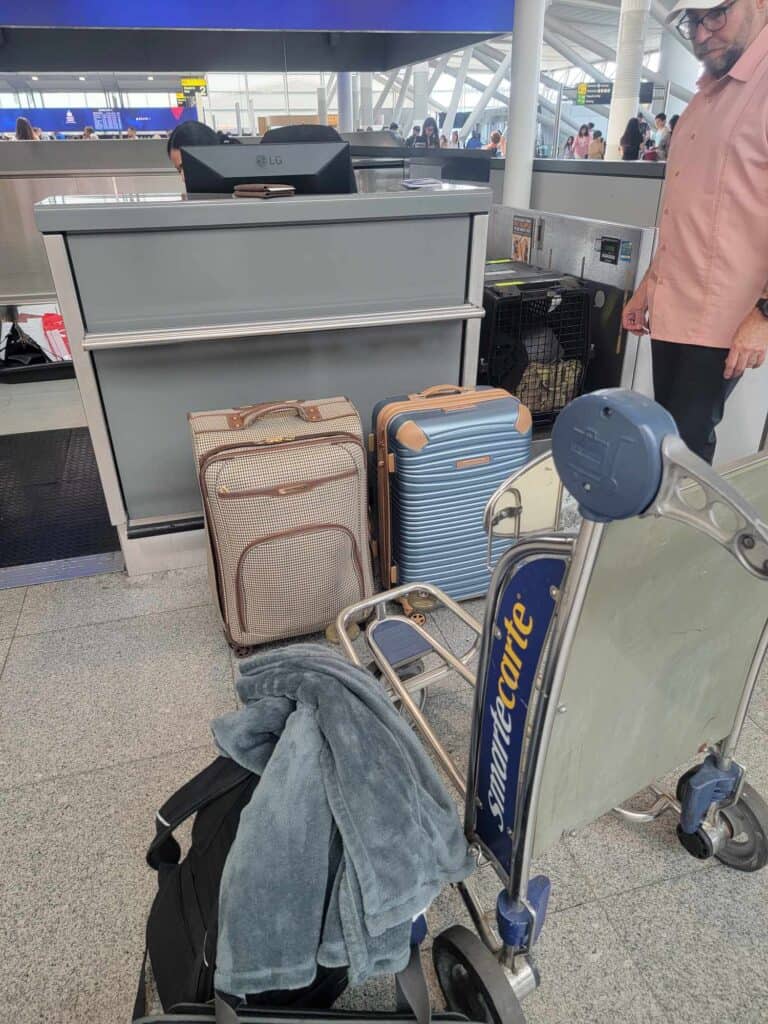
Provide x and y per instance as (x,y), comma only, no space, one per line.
(535,339)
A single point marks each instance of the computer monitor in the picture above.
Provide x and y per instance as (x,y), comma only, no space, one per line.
(315,168)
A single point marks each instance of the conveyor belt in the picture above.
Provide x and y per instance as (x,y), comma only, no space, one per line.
(51,503)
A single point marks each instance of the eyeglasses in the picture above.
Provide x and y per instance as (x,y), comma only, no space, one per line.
(712,21)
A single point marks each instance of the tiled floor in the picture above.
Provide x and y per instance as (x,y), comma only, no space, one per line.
(45,405)
(107,688)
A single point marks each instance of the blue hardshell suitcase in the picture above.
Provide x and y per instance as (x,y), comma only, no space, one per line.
(440,455)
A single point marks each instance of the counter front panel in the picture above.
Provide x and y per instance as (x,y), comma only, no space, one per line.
(147,392)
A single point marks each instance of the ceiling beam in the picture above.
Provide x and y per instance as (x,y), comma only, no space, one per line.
(608,53)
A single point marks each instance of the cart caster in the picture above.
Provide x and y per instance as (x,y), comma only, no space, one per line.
(418,617)
(747,847)
(472,980)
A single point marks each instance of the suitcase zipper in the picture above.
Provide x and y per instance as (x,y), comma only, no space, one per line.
(283,490)
(295,532)
(269,443)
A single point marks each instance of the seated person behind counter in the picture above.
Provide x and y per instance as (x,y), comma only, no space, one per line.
(322,171)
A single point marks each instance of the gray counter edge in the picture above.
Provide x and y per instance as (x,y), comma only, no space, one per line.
(147,213)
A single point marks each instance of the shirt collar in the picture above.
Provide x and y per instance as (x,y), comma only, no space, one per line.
(744,67)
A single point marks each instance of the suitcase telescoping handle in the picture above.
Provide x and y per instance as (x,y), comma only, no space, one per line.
(441,389)
(249,414)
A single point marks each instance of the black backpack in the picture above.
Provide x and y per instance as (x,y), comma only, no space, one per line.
(21,350)
(182,927)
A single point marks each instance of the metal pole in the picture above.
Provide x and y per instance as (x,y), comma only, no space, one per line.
(391,79)
(344,80)
(403,92)
(488,92)
(238,120)
(630,48)
(458,88)
(522,118)
(556,129)
(667,95)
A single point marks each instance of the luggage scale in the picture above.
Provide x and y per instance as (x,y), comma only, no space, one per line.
(643,593)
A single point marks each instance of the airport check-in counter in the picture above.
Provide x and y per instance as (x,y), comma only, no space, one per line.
(175,305)
(30,171)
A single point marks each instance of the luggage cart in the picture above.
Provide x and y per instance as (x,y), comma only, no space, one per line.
(608,658)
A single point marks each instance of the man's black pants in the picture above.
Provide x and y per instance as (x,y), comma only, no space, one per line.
(688,381)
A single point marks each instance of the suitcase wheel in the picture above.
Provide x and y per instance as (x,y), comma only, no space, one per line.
(332,634)
(418,602)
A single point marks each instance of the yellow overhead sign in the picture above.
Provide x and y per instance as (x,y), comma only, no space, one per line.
(194,83)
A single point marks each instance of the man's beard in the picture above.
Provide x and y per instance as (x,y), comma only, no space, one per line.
(720,64)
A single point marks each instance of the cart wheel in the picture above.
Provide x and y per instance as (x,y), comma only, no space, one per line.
(747,849)
(472,979)
(418,617)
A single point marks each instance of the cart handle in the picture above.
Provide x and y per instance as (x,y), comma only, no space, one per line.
(620,455)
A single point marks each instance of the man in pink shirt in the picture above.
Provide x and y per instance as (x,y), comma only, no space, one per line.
(704,300)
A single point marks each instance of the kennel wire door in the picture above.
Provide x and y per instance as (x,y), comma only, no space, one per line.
(535,341)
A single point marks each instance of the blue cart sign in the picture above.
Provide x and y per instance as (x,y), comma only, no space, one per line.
(523,616)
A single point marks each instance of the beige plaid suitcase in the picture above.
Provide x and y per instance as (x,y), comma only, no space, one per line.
(285,500)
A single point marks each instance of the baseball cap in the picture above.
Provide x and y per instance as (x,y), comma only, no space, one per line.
(693,5)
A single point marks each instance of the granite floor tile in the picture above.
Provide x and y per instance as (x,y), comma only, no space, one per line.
(588,975)
(701,943)
(618,855)
(11,602)
(5,646)
(76,890)
(102,695)
(115,596)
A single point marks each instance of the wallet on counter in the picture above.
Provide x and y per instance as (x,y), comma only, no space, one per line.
(258,190)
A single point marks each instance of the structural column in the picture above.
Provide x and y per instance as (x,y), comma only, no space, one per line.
(366,100)
(678,65)
(344,93)
(322,105)
(630,50)
(525,70)
(420,92)
(355,102)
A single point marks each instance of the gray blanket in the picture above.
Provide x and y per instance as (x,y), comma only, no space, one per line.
(349,835)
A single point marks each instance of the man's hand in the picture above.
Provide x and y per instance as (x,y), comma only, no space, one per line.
(635,316)
(749,346)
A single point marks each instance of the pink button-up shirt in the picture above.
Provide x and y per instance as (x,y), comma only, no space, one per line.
(711,262)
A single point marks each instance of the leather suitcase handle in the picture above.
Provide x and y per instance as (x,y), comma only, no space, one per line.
(441,389)
(240,419)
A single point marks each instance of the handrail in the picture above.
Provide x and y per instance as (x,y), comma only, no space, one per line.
(95,341)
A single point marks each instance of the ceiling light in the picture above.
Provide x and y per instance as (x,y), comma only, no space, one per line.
(81,77)
(35,78)
(150,78)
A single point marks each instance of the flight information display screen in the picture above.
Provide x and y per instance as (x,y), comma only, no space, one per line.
(487,16)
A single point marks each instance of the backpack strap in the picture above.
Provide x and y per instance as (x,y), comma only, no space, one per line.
(412,989)
(221,776)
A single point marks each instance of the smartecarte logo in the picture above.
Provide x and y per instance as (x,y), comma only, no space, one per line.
(518,629)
